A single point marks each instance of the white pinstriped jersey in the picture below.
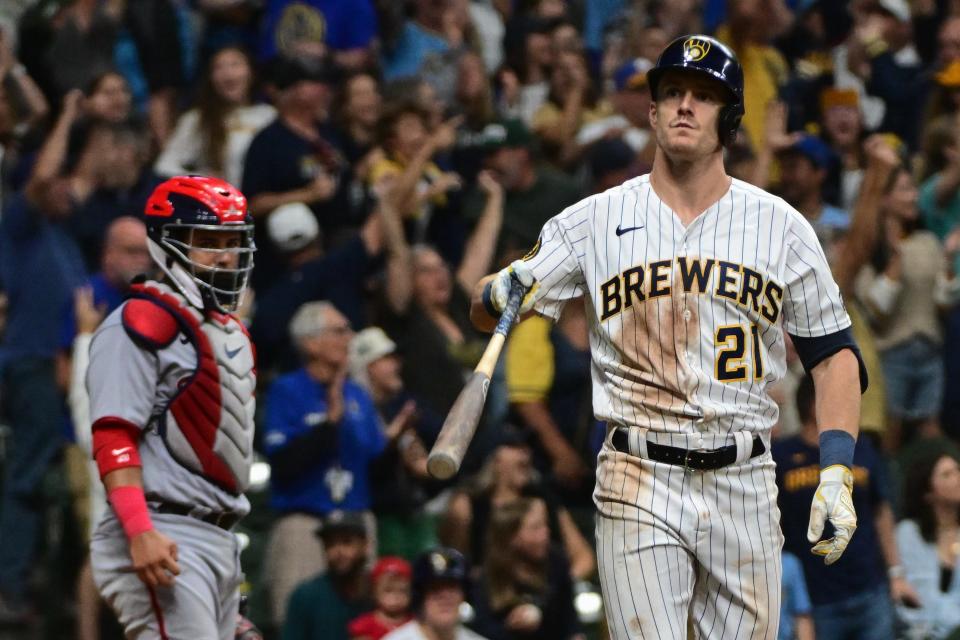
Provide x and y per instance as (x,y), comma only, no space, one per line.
(686,323)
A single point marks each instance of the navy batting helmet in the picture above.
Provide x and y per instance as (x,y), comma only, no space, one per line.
(716,60)
(441,564)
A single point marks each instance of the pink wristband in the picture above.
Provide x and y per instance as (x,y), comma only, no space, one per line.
(130,505)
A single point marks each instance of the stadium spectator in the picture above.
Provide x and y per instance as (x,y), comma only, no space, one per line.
(548,373)
(804,166)
(507,476)
(212,138)
(295,158)
(533,192)
(37,254)
(525,588)
(843,131)
(440,585)
(317,29)
(322,432)
(908,282)
(321,608)
(107,97)
(795,620)
(430,318)
(390,584)
(572,102)
(401,487)
(930,545)
(854,596)
(309,273)
(408,148)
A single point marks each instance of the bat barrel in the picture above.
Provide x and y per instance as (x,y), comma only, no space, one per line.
(446,456)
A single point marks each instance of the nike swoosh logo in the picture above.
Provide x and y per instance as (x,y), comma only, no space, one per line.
(121,451)
(620,231)
(230,353)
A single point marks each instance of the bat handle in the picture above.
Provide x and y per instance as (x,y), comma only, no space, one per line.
(512,308)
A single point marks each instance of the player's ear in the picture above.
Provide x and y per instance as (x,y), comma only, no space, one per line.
(653,113)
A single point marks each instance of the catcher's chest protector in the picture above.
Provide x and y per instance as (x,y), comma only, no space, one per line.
(208,424)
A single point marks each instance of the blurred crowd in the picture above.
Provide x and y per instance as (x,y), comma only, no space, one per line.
(392,153)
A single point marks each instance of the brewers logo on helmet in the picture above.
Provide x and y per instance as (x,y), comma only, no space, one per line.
(712,58)
(695,49)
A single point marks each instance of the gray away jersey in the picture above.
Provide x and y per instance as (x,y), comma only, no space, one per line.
(686,324)
(128,382)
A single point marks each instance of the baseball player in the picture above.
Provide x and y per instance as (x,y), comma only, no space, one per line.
(689,279)
(171,381)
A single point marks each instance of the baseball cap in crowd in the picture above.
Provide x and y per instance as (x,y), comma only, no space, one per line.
(899,9)
(815,150)
(391,565)
(283,72)
(367,346)
(949,77)
(292,226)
(506,133)
(342,522)
(608,156)
(836,97)
(632,75)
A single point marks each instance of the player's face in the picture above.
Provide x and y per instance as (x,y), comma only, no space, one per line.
(231,76)
(533,538)
(441,605)
(945,482)
(684,116)
(346,552)
(392,594)
(210,248)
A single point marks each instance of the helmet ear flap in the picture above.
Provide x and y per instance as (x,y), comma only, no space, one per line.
(728,122)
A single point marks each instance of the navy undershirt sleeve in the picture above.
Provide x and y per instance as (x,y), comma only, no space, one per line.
(813,351)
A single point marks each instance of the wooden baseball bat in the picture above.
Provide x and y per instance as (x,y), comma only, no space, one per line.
(461,423)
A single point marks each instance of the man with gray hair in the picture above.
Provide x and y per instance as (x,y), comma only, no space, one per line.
(322,431)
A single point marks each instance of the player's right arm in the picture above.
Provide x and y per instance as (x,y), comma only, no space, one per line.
(154,555)
(122,381)
(551,271)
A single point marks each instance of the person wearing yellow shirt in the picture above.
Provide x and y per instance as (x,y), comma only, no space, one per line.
(406,161)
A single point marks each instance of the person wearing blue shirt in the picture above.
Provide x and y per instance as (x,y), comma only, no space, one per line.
(311,28)
(795,620)
(40,265)
(322,432)
(852,598)
(420,41)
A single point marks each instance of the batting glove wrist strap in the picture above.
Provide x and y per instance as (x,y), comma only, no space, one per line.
(833,501)
(836,448)
(487,299)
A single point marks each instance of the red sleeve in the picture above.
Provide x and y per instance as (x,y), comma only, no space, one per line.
(115,444)
(148,324)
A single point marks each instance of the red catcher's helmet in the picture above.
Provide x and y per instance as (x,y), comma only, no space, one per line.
(175,212)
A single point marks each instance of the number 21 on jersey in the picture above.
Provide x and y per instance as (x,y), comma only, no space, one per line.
(731,341)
